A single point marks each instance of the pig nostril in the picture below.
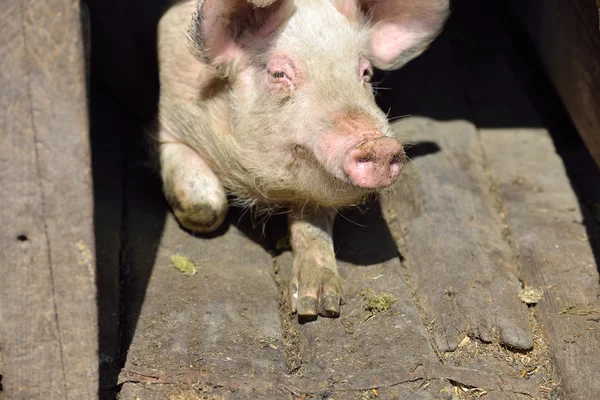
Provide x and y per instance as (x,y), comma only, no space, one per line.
(397,159)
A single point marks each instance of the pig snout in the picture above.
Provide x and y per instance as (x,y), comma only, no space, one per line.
(375,163)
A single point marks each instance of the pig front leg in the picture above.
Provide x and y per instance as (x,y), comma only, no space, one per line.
(192,188)
(316,287)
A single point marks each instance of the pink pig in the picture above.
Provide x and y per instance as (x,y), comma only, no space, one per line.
(271,101)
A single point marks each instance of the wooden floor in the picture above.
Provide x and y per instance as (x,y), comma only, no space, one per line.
(499,195)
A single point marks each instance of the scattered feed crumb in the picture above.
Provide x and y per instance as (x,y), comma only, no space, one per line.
(184,264)
(377,303)
(535,365)
(573,310)
(531,295)
(463,342)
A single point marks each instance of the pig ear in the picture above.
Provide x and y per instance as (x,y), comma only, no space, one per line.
(218,25)
(402,29)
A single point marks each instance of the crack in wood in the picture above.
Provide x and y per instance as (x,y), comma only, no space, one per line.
(364,380)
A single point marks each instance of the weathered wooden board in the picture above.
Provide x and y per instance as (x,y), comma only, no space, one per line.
(217,331)
(551,230)
(463,271)
(47,305)
(567,38)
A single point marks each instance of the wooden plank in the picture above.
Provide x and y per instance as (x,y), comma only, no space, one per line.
(552,232)
(462,270)
(49,339)
(30,354)
(566,35)
(222,323)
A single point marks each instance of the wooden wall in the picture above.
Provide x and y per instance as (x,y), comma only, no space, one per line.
(48,322)
(566,34)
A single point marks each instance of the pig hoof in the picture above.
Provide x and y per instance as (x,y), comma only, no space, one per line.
(320,295)
(200,217)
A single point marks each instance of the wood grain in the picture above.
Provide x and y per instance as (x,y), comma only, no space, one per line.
(445,220)
(49,327)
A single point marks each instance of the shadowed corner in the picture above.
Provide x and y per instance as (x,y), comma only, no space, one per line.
(129,209)
(129,212)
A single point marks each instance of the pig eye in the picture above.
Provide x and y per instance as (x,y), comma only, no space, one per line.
(278,74)
(281,74)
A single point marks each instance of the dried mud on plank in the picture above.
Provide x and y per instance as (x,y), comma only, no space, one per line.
(360,355)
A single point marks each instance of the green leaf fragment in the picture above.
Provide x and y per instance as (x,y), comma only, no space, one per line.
(184,264)
(380,303)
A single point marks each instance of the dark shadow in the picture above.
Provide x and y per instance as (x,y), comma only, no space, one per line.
(504,34)
(129,212)
(128,208)
(107,169)
(420,149)
(144,213)
(254,226)
(362,237)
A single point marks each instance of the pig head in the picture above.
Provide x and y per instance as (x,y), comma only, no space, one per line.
(295,103)
(271,101)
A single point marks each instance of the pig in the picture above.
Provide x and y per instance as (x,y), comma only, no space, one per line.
(271,102)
